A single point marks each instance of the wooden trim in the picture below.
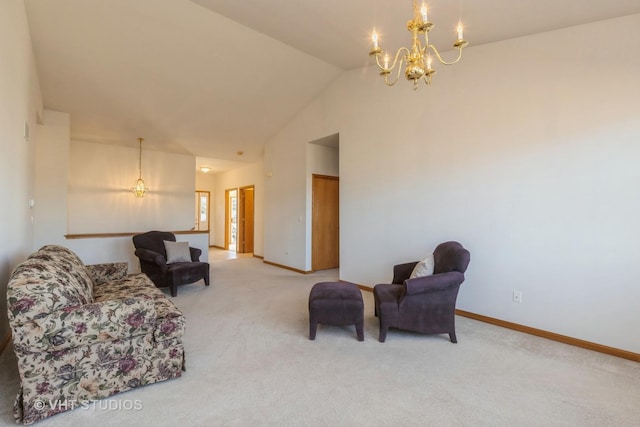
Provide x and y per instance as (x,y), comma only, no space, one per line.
(219,247)
(227,219)
(362,287)
(241,225)
(124,234)
(258,256)
(624,354)
(315,175)
(5,342)
(553,336)
(286,267)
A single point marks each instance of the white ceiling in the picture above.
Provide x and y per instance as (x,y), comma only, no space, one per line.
(214,77)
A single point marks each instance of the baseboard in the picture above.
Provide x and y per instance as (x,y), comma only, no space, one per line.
(258,256)
(553,336)
(544,334)
(218,247)
(286,267)
(5,342)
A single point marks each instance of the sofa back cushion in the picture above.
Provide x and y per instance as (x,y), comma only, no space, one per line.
(51,279)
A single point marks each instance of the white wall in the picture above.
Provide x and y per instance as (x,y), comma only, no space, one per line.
(51,179)
(20,102)
(285,166)
(100,197)
(84,188)
(526,152)
(252,174)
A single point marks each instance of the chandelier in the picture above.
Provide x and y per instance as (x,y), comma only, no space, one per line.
(139,188)
(417,61)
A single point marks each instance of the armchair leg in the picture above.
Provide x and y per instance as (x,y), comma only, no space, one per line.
(206,279)
(313,327)
(174,289)
(452,337)
(360,330)
(383,333)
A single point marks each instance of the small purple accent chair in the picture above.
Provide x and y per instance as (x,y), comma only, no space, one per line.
(423,304)
(153,262)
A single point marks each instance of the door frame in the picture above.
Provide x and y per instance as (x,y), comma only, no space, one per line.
(227,217)
(240,238)
(314,260)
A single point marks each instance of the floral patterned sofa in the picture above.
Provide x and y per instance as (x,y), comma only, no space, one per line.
(85,332)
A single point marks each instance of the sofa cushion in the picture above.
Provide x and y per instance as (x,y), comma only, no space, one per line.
(170,321)
(51,279)
(103,321)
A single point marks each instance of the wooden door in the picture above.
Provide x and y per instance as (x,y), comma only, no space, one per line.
(246,219)
(325,222)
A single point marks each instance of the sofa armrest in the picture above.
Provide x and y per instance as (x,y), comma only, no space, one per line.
(82,325)
(434,283)
(402,272)
(195,254)
(102,273)
(151,256)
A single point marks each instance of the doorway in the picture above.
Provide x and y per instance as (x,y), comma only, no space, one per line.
(230,219)
(202,221)
(239,219)
(245,220)
(325,222)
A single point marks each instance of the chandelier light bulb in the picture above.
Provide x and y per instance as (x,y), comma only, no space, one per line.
(423,12)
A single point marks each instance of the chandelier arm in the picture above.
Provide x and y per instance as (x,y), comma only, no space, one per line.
(386,77)
(395,59)
(442,61)
(378,62)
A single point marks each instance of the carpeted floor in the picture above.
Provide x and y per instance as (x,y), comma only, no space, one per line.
(250,363)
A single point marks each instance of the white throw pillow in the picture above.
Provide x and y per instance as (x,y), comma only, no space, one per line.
(177,251)
(423,268)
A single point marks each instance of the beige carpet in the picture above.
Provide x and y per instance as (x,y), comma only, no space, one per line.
(250,363)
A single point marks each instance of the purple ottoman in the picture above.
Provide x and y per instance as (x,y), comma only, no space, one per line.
(336,304)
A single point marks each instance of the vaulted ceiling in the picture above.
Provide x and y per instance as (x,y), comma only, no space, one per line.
(214,77)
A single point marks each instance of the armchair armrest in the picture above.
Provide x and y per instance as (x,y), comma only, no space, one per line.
(402,272)
(195,254)
(82,325)
(102,273)
(151,256)
(434,283)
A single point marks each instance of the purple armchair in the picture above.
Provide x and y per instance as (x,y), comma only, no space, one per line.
(423,304)
(153,262)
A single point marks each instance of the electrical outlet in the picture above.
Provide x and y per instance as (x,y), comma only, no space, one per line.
(517,296)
